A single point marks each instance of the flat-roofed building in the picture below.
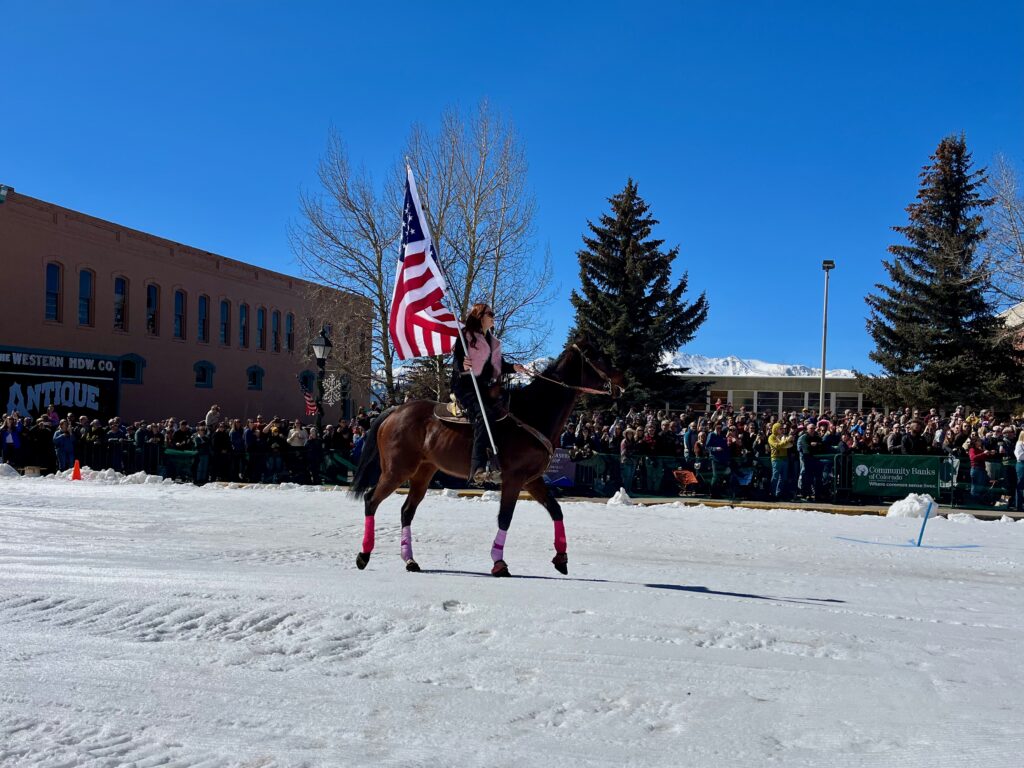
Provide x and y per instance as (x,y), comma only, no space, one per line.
(100,319)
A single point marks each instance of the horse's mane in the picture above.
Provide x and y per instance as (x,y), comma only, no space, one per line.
(541,403)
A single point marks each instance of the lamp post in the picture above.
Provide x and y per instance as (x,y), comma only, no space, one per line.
(321,349)
(828,265)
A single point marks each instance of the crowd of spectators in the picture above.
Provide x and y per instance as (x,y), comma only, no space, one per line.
(787,456)
(214,447)
(728,447)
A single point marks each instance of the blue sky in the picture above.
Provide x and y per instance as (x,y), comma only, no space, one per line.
(765,136)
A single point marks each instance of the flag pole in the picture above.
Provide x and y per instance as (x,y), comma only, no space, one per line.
(462,338)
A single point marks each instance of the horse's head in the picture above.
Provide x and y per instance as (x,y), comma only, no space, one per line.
(597,371)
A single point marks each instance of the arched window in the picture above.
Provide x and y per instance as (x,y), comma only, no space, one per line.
(243,326)
(86,294)
(204,371)
(120,304)
(179,314)
(153,309)
(203,331)
(275,329)
(261,328)
(289,332)
(225,322)
(54,292)
(254,377)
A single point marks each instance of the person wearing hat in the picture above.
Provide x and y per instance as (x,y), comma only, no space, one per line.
(779,443)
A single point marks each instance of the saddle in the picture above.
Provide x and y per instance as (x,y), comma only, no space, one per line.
(453,413)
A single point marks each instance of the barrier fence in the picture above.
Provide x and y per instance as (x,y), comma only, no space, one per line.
(849,478)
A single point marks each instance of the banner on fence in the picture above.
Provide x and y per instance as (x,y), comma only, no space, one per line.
(84,384)
(561,470)
(878,475)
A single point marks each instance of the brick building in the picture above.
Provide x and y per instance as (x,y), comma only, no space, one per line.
(100,319)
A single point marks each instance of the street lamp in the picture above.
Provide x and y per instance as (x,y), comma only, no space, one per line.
(321,349)
(828,265)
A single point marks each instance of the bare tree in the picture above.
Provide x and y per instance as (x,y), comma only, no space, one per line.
(472,179)
(347,240)
(1004,246)
(481,213)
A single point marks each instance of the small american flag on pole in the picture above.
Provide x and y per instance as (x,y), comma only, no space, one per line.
(420,325)
(308,397)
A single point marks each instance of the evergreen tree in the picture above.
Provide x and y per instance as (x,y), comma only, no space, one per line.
(627,304)
(937,340)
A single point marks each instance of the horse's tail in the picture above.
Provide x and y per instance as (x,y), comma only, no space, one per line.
(367,473)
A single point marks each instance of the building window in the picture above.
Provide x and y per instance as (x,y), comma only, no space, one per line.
(153,310)
(54,300)
(275,329)
(289,332)
(86,279)
(225,322)
(767,401)
(131,369)
(120,304)
(204,371)
(243,326)
(179,314)
(792,401)
(261,328)
(203,331)
(254,377)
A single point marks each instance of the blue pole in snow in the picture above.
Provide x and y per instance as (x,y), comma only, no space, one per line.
(924,522)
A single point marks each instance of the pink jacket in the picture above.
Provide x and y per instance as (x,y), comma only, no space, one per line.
(477,355)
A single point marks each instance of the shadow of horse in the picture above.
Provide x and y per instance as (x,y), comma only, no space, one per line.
(674,587)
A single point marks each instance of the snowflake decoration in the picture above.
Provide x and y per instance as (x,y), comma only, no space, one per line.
(332,390)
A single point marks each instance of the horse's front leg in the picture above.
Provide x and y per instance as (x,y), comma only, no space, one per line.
(509,497)
(540,492)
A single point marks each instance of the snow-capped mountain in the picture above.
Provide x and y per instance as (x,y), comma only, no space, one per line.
(734,366)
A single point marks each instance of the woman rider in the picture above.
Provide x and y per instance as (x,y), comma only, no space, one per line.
(481,358)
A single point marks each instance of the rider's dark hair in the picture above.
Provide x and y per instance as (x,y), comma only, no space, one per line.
(474,321)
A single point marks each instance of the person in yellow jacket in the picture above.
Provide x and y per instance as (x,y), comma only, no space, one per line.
(779,445)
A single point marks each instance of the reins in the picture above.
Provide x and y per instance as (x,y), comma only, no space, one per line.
(579,388)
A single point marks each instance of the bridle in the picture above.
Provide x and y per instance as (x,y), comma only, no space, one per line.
(609,390)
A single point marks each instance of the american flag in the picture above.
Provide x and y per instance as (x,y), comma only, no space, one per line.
(308,397)
(420,325)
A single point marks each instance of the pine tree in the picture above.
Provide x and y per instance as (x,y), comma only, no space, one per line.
(627,304)
(937,340)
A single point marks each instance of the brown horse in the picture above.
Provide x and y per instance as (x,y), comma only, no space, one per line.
(408,443)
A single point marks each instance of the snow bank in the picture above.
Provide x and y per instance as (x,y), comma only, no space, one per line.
(621,498)
(6,470)
(961,517)
(915,505)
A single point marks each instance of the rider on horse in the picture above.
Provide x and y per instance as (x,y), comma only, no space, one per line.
(484,361)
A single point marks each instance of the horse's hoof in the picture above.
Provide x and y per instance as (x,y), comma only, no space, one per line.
(412,566)
(561,562)
(500,569)
(362,559)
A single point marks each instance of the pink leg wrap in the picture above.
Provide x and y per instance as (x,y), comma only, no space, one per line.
(498,550)
(368,534)
(406,544)
(559,536)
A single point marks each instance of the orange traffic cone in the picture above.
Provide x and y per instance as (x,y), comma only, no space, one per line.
(76,473)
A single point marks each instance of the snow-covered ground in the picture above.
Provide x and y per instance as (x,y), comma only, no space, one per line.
(147,624)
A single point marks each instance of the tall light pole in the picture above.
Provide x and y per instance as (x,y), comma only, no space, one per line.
(321,349)
(828,265)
